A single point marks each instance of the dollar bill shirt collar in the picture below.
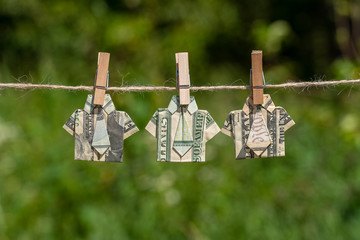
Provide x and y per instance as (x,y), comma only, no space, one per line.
(268,104)
(108,105)
(174,105)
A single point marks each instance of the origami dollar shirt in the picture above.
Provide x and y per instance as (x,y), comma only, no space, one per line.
(164,125)
(239,123)
(82,125)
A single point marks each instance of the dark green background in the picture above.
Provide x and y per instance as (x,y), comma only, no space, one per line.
(312,193)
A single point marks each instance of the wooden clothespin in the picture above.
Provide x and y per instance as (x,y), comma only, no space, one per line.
(257,80)
(183,77)
(101,80)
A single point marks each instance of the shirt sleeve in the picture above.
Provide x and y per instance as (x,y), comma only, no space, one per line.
(227,127)
(286,119)
(151,126)
(211,127)
(69,126)
(129,126)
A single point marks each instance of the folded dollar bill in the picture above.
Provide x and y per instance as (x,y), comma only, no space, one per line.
(182,132)
(99,131)
(258,131)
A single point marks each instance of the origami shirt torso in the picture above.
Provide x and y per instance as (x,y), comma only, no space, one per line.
(239,122)
(82,124)
(163,125)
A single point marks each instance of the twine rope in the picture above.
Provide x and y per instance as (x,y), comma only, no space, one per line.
(193,88)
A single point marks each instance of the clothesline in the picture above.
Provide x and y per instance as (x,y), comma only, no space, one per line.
(193,88)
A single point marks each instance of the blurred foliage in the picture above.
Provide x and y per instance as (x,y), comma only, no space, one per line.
(312,193)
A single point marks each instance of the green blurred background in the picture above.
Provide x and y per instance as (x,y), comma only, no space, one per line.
(312,193)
